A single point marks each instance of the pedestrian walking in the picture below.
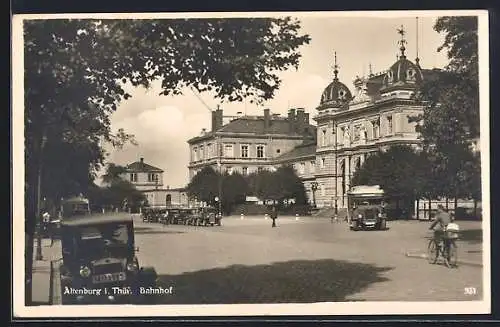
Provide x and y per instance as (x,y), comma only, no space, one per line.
(274,215)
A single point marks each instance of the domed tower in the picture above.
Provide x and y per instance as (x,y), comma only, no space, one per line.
(336,95)
(403,74)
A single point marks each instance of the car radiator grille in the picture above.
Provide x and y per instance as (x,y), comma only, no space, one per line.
(107,268)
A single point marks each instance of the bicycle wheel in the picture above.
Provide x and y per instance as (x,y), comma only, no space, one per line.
(451,255)
(432,252)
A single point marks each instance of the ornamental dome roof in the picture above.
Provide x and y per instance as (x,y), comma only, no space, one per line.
(335,95)
(403,72)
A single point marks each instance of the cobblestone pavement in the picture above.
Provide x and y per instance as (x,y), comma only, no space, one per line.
(305,260)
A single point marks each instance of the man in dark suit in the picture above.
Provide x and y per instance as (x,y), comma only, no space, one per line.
(274,215)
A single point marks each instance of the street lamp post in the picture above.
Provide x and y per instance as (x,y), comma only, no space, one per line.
(336,170)
(314,187)
(219,165)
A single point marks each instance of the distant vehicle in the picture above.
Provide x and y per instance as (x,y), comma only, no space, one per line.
(75,206)
(99,263)
(366,207)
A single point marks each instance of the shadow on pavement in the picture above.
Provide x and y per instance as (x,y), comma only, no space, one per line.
(472,236)
(299,281)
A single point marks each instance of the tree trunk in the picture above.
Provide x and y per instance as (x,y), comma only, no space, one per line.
(32,190)
(430,203)
(418,209)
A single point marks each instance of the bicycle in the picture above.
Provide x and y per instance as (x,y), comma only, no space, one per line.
(444,247)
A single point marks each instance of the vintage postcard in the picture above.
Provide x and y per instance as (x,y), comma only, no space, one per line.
(233,164)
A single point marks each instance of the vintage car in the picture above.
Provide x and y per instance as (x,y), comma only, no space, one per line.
(99,263)
(366,208)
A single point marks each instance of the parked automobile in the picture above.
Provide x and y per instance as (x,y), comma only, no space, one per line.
(366,208)
(99,262)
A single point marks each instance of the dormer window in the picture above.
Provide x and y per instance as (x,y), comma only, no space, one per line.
(411,74)
(390,76)
(342,94)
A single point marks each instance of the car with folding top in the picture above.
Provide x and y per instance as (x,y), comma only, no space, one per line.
(366,207)
(99,262)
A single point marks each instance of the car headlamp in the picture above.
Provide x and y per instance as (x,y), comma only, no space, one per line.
(132,267)
(84,271)
(360,216)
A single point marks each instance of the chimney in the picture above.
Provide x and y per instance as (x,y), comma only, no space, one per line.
(291,120)
(267,119)
(300,120)
(216,119)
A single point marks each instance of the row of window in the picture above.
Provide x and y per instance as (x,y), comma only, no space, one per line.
(199,153)
(152,177)
(359,132)
(301,167)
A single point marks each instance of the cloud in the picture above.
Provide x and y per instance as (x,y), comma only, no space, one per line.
(161,134)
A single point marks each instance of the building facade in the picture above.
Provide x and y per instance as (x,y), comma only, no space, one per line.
(249,143)
(149,180)
(350,126)
(353,127)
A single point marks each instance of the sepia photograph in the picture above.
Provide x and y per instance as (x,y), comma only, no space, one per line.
(250,164)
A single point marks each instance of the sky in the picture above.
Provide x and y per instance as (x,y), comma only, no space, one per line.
(163,124)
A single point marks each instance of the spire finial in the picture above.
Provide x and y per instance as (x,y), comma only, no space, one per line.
(335,66)
(402,42)
(370,71)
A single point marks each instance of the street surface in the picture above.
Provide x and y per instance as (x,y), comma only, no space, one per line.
(305,260)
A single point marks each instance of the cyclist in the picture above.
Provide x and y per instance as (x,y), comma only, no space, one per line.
(442,219)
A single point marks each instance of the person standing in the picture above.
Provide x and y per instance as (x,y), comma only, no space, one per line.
(274,215)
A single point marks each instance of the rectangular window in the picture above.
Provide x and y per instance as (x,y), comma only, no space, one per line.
(152,177)
(323,138)
(323,162)
(228,150)
(312,165)
(244,151)
(202,152)
(376,129)
(209,150)
(244,170)
(322,189)
(389,125)
(260,151)
(195,154)
(133,177)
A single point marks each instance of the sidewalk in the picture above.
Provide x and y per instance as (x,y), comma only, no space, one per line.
(41,271)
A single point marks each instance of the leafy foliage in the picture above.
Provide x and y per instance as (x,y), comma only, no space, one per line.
(75,71)
(116,191)
(204,186)
(278,185)
(234,191)
(450,121)
(400,171)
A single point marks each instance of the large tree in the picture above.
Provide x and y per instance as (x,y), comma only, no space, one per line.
(450,121)
(75,71)
(400,171)
(234,191)
(205,186)
(116,191)
(278,185)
